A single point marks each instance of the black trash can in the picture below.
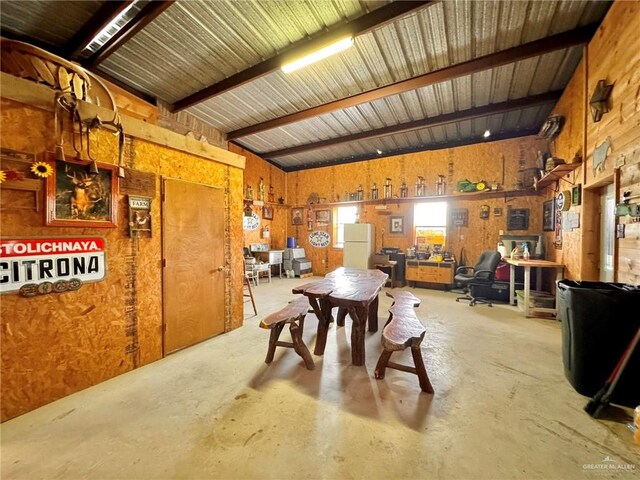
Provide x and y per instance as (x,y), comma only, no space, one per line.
(599,320)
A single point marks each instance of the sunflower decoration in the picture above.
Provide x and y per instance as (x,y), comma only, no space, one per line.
(41,169)
(3,176)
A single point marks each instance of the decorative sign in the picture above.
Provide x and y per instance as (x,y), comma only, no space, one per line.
(319,239)
(139,214)
(251,222)
(50,265)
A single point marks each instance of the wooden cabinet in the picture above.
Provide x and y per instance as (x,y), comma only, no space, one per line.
(426,271)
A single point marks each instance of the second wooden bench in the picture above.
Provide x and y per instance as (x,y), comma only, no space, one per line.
(293,314)
(402,330)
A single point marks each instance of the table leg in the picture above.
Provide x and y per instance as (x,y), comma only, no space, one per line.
(539,279)
(323,324)
(373,315)
(527,288)
(512,284)
(359,316)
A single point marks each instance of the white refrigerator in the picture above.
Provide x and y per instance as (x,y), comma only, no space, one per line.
(359,245)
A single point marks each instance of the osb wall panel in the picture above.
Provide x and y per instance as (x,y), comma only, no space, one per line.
(567,145)
(494,162)
(55,345)
(255,169)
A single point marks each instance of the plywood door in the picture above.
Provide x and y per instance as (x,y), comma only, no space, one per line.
(193,260)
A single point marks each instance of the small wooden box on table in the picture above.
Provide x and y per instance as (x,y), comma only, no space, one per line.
(293,314)
(402,330)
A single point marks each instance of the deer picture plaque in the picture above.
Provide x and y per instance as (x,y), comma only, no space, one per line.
(77,198)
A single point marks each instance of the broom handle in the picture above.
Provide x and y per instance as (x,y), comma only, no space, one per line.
(622,363)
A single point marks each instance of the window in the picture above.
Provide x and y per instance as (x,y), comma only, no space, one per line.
(343,215)
(430,221)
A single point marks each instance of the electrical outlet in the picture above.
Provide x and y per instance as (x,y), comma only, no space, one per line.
(620,230)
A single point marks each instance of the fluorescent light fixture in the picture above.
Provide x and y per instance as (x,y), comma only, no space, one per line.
(486,134)
(324,52)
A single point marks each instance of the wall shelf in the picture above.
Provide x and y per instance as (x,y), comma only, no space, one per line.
(556,174)
(458,196)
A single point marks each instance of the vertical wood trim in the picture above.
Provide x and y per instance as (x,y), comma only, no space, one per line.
(616,197)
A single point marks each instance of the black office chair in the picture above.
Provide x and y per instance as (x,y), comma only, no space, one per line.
(481,274)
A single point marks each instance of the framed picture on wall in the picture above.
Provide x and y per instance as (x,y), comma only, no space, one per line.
(548,215)
(396,224)
(267,212)
(76,198)
(517,219)
(323,217)
(296,216)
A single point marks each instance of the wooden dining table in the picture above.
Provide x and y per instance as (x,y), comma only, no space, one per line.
(353,291)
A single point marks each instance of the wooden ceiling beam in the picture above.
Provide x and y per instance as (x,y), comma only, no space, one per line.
(363,24)
(145,16)
(83,37)
(559,41)
(470,114)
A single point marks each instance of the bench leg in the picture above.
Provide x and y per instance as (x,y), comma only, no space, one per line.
(273,340)
(299,346)
(342,314)
(421,371)
(382,364)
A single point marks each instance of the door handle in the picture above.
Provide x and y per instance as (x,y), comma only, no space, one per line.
(221,268)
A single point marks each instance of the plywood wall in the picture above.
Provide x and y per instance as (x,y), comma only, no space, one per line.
(57,344)
(257,168)
(612,55)
(568,146)
(499,162)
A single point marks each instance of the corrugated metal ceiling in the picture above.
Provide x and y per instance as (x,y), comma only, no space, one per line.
(195,43)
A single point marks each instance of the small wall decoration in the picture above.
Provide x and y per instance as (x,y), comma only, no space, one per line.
(485,211)
(296,216)
(139,215)
(396,225)
(319,239)
(323,217)
(267,212)
(497,211)
(600,155)
(250,222)
(599,103)
(517,219)
(576,195)
(76,198)
(548,215)
(557,239)
(37,266)
(460,217)
(563,201)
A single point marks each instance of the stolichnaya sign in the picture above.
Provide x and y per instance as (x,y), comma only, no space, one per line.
(50,265)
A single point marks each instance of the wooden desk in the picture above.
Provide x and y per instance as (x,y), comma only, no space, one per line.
(351,289)
(527,264)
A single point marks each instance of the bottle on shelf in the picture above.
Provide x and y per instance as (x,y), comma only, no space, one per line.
(525,251)
(404,190)
(387,188)
(440,185)
(420,186)
(374,192)
(360,192)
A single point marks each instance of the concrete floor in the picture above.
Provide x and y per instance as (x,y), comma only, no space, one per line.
(502,409)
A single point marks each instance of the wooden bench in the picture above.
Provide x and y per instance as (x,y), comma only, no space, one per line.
(293,314)
(402,330)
